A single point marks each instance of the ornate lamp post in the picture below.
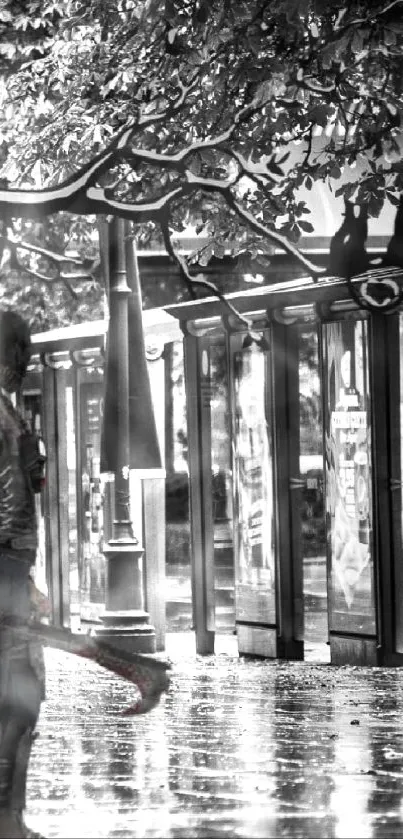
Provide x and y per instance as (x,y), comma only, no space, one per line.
(125,620)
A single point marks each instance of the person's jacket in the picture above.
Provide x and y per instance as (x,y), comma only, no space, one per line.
(21,476)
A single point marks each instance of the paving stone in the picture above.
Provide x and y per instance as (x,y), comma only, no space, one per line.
(238,748)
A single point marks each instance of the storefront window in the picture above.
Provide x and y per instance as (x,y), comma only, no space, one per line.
(255,572)
(310,504)
(32,409)
(178,578)
(401,404)
(91,511)
(221,477)
(74,579)
(348,477)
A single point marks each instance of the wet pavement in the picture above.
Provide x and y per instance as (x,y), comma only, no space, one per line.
(238,748)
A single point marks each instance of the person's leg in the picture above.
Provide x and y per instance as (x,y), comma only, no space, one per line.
(19,789)
(12,736)
(13,733)
(18,720)
(20,700)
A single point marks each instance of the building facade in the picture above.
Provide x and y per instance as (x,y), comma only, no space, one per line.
(278,516)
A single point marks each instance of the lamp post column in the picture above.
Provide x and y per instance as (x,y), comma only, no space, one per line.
(125,619)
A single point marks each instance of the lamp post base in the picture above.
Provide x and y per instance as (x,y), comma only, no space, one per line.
(125,620)
(129,630)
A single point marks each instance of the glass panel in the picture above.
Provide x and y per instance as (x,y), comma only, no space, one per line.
(401,408)
(32,409)
(348,479)
(92,560)
(178,578)
(222,490)
(311,505)
(396,484)
(255,562)
(74,578)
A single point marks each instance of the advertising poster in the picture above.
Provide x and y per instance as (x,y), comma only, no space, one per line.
(256,561)
(349,501)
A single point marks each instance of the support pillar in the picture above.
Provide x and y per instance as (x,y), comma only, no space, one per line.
(126,623)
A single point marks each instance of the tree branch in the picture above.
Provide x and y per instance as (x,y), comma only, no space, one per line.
(57,258)
(223,187)
(95,201)
(200,282)
(12,246)
(309,147)
(84,200)
(366,20)
(63,278)
(314,270)
(340,30)
(258,172)
(308,83)
(79,194)
(145,120)
(65,195)
(176,160)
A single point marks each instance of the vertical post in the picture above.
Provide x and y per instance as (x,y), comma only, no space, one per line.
(388,581)
(63,493)
(292,521)
(394,378)
(52,494)
(289,587)
(125,620)
(200,497)
(153,501)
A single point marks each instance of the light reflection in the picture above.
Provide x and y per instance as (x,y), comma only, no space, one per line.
(352,784)
(348,478)
(254,490)
(282,758)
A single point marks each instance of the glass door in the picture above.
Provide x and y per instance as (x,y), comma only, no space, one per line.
(92,500)
(221,489)
(349,508)
(33,412)
(324,455)
(210,474)
(392,604)
(306,490)
(178,591)
(254,511)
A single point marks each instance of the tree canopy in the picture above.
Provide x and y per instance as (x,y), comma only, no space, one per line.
(211,114)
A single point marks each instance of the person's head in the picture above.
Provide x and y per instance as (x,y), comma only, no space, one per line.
(15,349)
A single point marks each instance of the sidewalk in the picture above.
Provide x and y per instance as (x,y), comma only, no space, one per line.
(236,749)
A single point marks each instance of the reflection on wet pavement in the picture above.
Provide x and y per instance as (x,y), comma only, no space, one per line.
(238,748)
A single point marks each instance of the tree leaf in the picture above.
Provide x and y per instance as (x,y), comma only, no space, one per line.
(306,226)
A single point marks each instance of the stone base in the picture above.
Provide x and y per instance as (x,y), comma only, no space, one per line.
(128,630)
(257,640)
(351,649)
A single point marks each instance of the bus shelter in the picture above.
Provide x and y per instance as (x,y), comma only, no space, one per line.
(295,464)
(280,519)
(63,397)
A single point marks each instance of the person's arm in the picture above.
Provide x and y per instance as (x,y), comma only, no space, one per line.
(12,482)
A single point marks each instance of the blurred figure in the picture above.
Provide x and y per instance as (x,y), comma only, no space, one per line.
(21,660)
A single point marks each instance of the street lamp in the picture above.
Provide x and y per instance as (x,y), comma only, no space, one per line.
(129,440)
